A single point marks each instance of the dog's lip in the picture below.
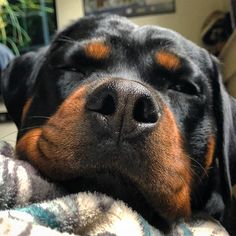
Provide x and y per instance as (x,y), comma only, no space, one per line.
(119,187)
(111,184)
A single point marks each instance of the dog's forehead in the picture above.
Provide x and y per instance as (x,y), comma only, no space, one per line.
(110,27)
(113,26)
(98,26)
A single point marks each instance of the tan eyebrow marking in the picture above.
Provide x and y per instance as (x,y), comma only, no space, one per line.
(169,60)
(97,50)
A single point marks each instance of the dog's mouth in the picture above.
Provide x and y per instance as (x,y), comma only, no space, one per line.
(121,188)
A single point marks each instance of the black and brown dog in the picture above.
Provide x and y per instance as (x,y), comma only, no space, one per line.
(138,113)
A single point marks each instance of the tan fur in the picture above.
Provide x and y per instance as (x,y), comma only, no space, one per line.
(210,151)
(170,170)
(53,154)
(168,60)
(97,50)
(26,108)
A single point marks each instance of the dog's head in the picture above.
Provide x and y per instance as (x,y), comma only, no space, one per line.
(139,113)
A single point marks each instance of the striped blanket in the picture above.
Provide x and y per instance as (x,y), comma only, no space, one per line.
(31,205)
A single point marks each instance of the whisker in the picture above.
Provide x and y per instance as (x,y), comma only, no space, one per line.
(199,177)
(170,171)
(66,39)
(13,142)
(200,165)
(10,140)
(14,132)
(44,117)
(31,127)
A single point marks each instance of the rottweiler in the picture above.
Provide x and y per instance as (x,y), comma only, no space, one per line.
(138,113)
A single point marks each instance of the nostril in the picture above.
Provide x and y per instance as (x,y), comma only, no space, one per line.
(103,103)
(145,111)
(108,106)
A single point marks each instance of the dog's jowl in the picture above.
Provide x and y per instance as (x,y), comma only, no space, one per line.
(138,113)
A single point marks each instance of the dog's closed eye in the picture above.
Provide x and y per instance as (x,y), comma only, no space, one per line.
(185,88)
(70,68)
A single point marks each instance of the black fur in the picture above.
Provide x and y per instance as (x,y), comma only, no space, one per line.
(195,93)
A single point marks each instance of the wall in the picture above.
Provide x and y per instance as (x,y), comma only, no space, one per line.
(67,11)
(187,20)
(228,56)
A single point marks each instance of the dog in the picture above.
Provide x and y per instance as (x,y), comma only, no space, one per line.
(138,113)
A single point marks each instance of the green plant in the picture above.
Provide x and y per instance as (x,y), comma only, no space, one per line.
(12,32)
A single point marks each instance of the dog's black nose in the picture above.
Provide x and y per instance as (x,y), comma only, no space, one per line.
(123,108)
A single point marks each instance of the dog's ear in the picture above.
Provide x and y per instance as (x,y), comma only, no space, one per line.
(225,114)
(17,83)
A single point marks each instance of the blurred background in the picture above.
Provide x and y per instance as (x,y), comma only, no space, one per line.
(26,25)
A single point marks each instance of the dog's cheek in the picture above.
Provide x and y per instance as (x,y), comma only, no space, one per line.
(169,173)
(52,148)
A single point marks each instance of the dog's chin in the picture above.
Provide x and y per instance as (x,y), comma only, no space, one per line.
(119,188)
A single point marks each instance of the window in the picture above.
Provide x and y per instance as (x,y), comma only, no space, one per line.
(27,24)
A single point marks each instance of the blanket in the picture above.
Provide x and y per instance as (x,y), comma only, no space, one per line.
(31,205)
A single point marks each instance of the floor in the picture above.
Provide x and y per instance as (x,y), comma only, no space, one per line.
(8,130)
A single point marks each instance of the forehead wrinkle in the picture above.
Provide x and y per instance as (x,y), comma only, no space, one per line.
(154,34)
(115,26)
